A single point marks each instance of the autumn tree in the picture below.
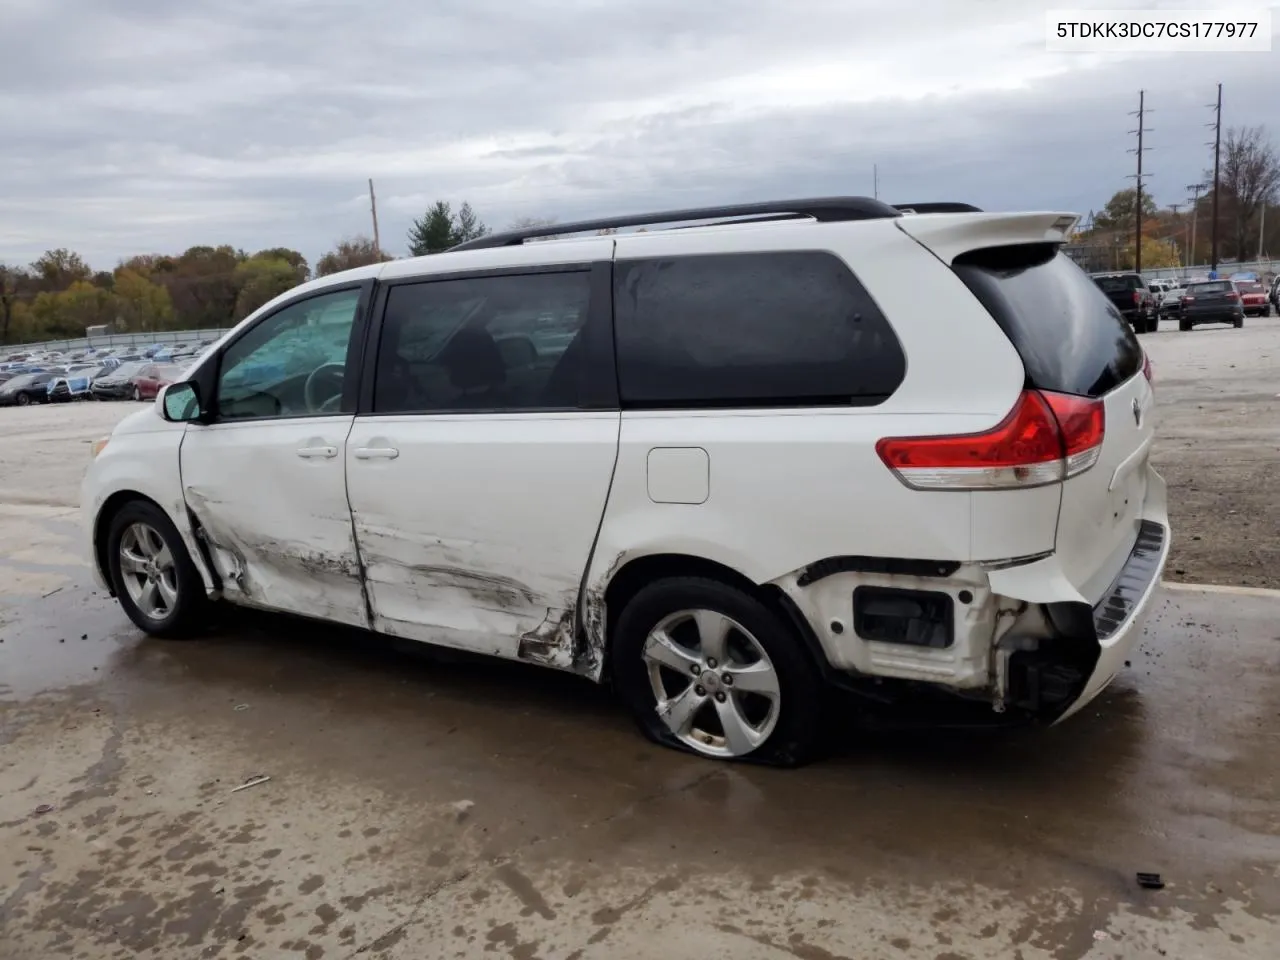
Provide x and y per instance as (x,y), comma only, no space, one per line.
(58,269)
(292,257)
(1249,178)
(1119,213)
(261,279)
(203,287)
(66,313)
(141,304)
(440,228)
(15,284)
(349,253)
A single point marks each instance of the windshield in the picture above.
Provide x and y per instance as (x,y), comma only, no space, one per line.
(127,370)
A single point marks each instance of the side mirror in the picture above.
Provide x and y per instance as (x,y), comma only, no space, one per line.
(180,402)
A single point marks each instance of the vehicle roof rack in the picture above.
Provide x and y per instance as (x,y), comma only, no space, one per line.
(822,209)
(937,206)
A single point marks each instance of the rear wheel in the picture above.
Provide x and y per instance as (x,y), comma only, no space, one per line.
(1238,322)
(24,399)
(705,667)
(153,575)
(1184,325)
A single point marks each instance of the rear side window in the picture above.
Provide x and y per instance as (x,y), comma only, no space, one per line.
(1069,335)
(755,329)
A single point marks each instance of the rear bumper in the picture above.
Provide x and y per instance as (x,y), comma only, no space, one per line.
(1218,315)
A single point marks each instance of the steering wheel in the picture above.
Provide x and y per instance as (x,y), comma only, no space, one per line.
(322,390)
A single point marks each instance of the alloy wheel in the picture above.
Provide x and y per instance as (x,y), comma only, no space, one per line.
(149,572)
(716,689)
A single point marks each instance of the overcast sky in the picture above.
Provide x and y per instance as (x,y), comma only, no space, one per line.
(131,126)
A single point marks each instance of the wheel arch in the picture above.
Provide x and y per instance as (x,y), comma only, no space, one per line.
(116,502)
(631,576)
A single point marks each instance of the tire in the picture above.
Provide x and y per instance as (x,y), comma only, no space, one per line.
(1238,322)
(182,593)
(23,399)
(779,725)
(1184,325)
(137,394)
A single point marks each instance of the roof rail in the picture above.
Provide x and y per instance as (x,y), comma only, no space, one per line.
(822,209)
(937,206)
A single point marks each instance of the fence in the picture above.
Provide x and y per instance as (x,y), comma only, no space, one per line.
(127,341)
(1262,268)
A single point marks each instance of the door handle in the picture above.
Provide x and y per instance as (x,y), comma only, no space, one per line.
(327,453)
(375,453)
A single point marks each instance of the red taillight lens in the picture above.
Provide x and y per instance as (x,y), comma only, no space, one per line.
(1137,297)
(1146,369)
(1046,438)
(1233,296)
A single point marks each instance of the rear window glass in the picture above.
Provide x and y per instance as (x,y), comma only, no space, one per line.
(1250,287)
(1069,335)
(789,328)
(1221,286)
(1118,284)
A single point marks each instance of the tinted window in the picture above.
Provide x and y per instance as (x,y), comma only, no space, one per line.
(755,329)
(483,343)
(1250,287)
(1221,286)
(291,363)
(1069,335)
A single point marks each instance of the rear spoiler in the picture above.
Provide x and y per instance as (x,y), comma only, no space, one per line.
(952,234)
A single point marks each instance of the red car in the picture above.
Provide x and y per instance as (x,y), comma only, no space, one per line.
(1253,297)
(152,377)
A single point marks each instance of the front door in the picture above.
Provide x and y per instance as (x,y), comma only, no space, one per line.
(480,463)
(266,479)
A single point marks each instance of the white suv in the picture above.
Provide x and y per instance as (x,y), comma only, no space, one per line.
(725,466)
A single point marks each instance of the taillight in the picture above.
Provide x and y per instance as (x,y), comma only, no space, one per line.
(1146,369)
(1187,299)
(1233,297)
(1137,297)
(1046,438)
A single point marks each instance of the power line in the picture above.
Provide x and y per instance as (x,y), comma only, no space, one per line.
(1137,178)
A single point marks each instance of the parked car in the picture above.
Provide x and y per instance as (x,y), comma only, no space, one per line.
(148,381)
(118,384)
(1214,301)
(26,388)
(78,383)
(1129,293)
(1171,305)
(1275,293)
(770,459)
(1253,298)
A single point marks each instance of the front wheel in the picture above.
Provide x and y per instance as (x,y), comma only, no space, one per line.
(707,668)
(1238,322)
(154,578)
(24,399)
(137,394)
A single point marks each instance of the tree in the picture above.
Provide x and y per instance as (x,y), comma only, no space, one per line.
(141,304)
(433,231)
(349,253)
(202,286)
(1157,254)
(439,228)
(261,279)
(1249,178)
(15,285)
(66,313)
(467,226)
(58,269)
(1118,214)
(292,257)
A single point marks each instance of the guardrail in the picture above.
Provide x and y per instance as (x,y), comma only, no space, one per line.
(120,340)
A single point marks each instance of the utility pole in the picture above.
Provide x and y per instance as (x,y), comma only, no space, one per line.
(373,208)
(1196,189)
(1262,225)
(1137,238)
(875,181)
(1174,207)
(1217,149)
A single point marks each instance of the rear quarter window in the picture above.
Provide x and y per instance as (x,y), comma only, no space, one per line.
(1070,337)
(788,328)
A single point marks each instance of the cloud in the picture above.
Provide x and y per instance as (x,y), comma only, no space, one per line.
(135,125)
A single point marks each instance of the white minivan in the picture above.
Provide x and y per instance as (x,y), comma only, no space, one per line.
(725,466)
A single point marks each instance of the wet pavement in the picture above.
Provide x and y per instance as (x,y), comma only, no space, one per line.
(421,806)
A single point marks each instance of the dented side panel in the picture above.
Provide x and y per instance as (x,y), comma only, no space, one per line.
(276,524)
(476,535)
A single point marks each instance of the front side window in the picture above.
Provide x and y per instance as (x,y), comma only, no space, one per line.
(484,343)
(755,329)
(292,363)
